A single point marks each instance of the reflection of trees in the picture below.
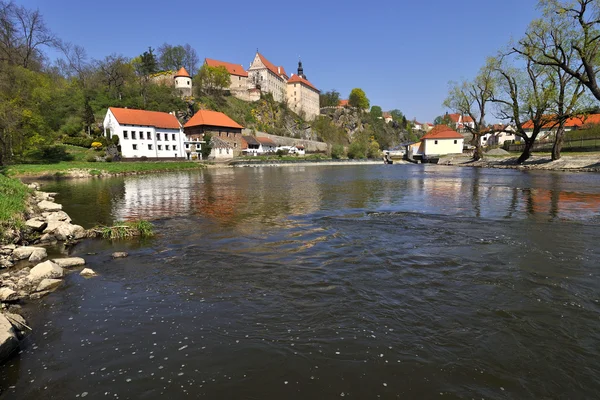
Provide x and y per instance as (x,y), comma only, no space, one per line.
(89,201)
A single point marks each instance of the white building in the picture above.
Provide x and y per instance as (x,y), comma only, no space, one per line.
(441,140)
(303,96)
(150,134)
(265,76)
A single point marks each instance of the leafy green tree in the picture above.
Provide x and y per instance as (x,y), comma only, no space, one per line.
(206,147)
(174,57)
(337,151)
(212,80)
(397,116)
(376,112)
(146,63)
(330,98)
(358,99)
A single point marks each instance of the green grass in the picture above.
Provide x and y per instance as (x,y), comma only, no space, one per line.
(96,168)
(81,153)
(123,230)
(13,196)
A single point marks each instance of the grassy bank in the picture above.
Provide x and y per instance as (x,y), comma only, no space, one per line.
(13,197)
(65,168)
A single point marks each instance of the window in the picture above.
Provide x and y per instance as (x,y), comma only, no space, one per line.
(167,147)
(135,146)
(149,147)
(125,135)
(173,137)
(166,137)
(133,135)
(456,142)
(159,147)
(148,136)
(235,145)
(158,136)
(436,142)
(220,150)
(187,145)
(188,83)
(174,147)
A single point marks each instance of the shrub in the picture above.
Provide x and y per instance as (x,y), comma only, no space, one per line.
(96,146)
(108,159)
(91,159)
(144,158)
(281,152)
(115,140)
(48,154)
(78,141)
(337,151)
(357,150)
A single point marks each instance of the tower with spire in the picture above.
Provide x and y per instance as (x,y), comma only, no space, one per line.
(300,69)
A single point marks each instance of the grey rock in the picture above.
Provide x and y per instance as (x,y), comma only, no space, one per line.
(38,295)
(4,263)
(46,205)
(17,321)
(10,246)
(47,238)
(119,254)
(21,253)
(87,272)
(34,186)
(7,294)
(57,216)
(48,284)
(37,224)
(38,255)
(65,230)
(69,262)
(8,338)
(45,270)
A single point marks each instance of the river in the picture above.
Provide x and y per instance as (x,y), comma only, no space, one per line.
(408,281)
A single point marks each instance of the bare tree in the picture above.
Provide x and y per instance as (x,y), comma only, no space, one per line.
(191,60)
(472,98)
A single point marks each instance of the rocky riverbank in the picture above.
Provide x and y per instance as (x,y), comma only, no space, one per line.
(26,273)
(579,163)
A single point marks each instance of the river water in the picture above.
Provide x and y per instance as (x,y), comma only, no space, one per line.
(404,281)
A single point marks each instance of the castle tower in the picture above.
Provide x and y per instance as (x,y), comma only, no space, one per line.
(183,82)
(301,70)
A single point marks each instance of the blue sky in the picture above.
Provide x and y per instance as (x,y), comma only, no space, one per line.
(402,54)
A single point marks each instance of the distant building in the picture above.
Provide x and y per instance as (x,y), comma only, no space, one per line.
(141,133)
(441,140)
(551,125)
(216,124)
(387,117)
(220,149)
(265,76)
(461,121)
(237,73)
(302,96)
(181,80)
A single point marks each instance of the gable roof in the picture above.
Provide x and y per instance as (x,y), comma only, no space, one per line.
(299,79)
(266,141)
(276,70)
(251,140)
(182,72)
(343,103)
(233,69)
(212,118)
(442,132)
(456,118)
(218,143)
(157,119)
(569,123)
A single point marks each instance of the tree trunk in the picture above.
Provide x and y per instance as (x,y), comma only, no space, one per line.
(478,152)
(526,151)
(559,140)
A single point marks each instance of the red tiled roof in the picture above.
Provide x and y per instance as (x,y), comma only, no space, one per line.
(233,69)
(276,70)
(182,72)
(265,141)
(343,103)
(442,132)
(570,123)
(211,118)
(299,79)
(465,118)
(157,119)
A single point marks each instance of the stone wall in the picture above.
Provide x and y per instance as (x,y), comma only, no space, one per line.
(310,146)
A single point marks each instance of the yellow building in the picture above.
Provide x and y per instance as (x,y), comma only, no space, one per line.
(302,96)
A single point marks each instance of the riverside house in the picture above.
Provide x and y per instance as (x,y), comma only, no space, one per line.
(439,141)
(141,133)
(216,124)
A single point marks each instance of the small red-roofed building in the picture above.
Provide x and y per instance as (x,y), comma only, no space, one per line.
(461,121)
(215,124)
(183,82)
(439,141)
(237,73)
(141,133)
(387,117)
(303,96)
(551,124)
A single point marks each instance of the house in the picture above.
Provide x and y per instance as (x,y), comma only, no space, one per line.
(141,133)
(428,126)
(461,121)
(250,145)
(571,124)
(441,140)
(302,96)
(343,103)
(266,145)
(417,125)
(387,117)
(265,76)
(237,74)
(497,135)
(220,149)
(215,124)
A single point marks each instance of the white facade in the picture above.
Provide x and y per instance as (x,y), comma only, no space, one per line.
(302,98)
(269,78)
(145,141)
(438,147)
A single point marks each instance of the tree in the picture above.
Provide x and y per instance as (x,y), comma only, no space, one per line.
(358,99)
(206,147)
(571,42)
(329,99)
(174,57)
(443,120)
(212,80)
(523,96)
(548,39)
(376,112)
(191,59)
(145,64)
(471,98)
(23,33)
